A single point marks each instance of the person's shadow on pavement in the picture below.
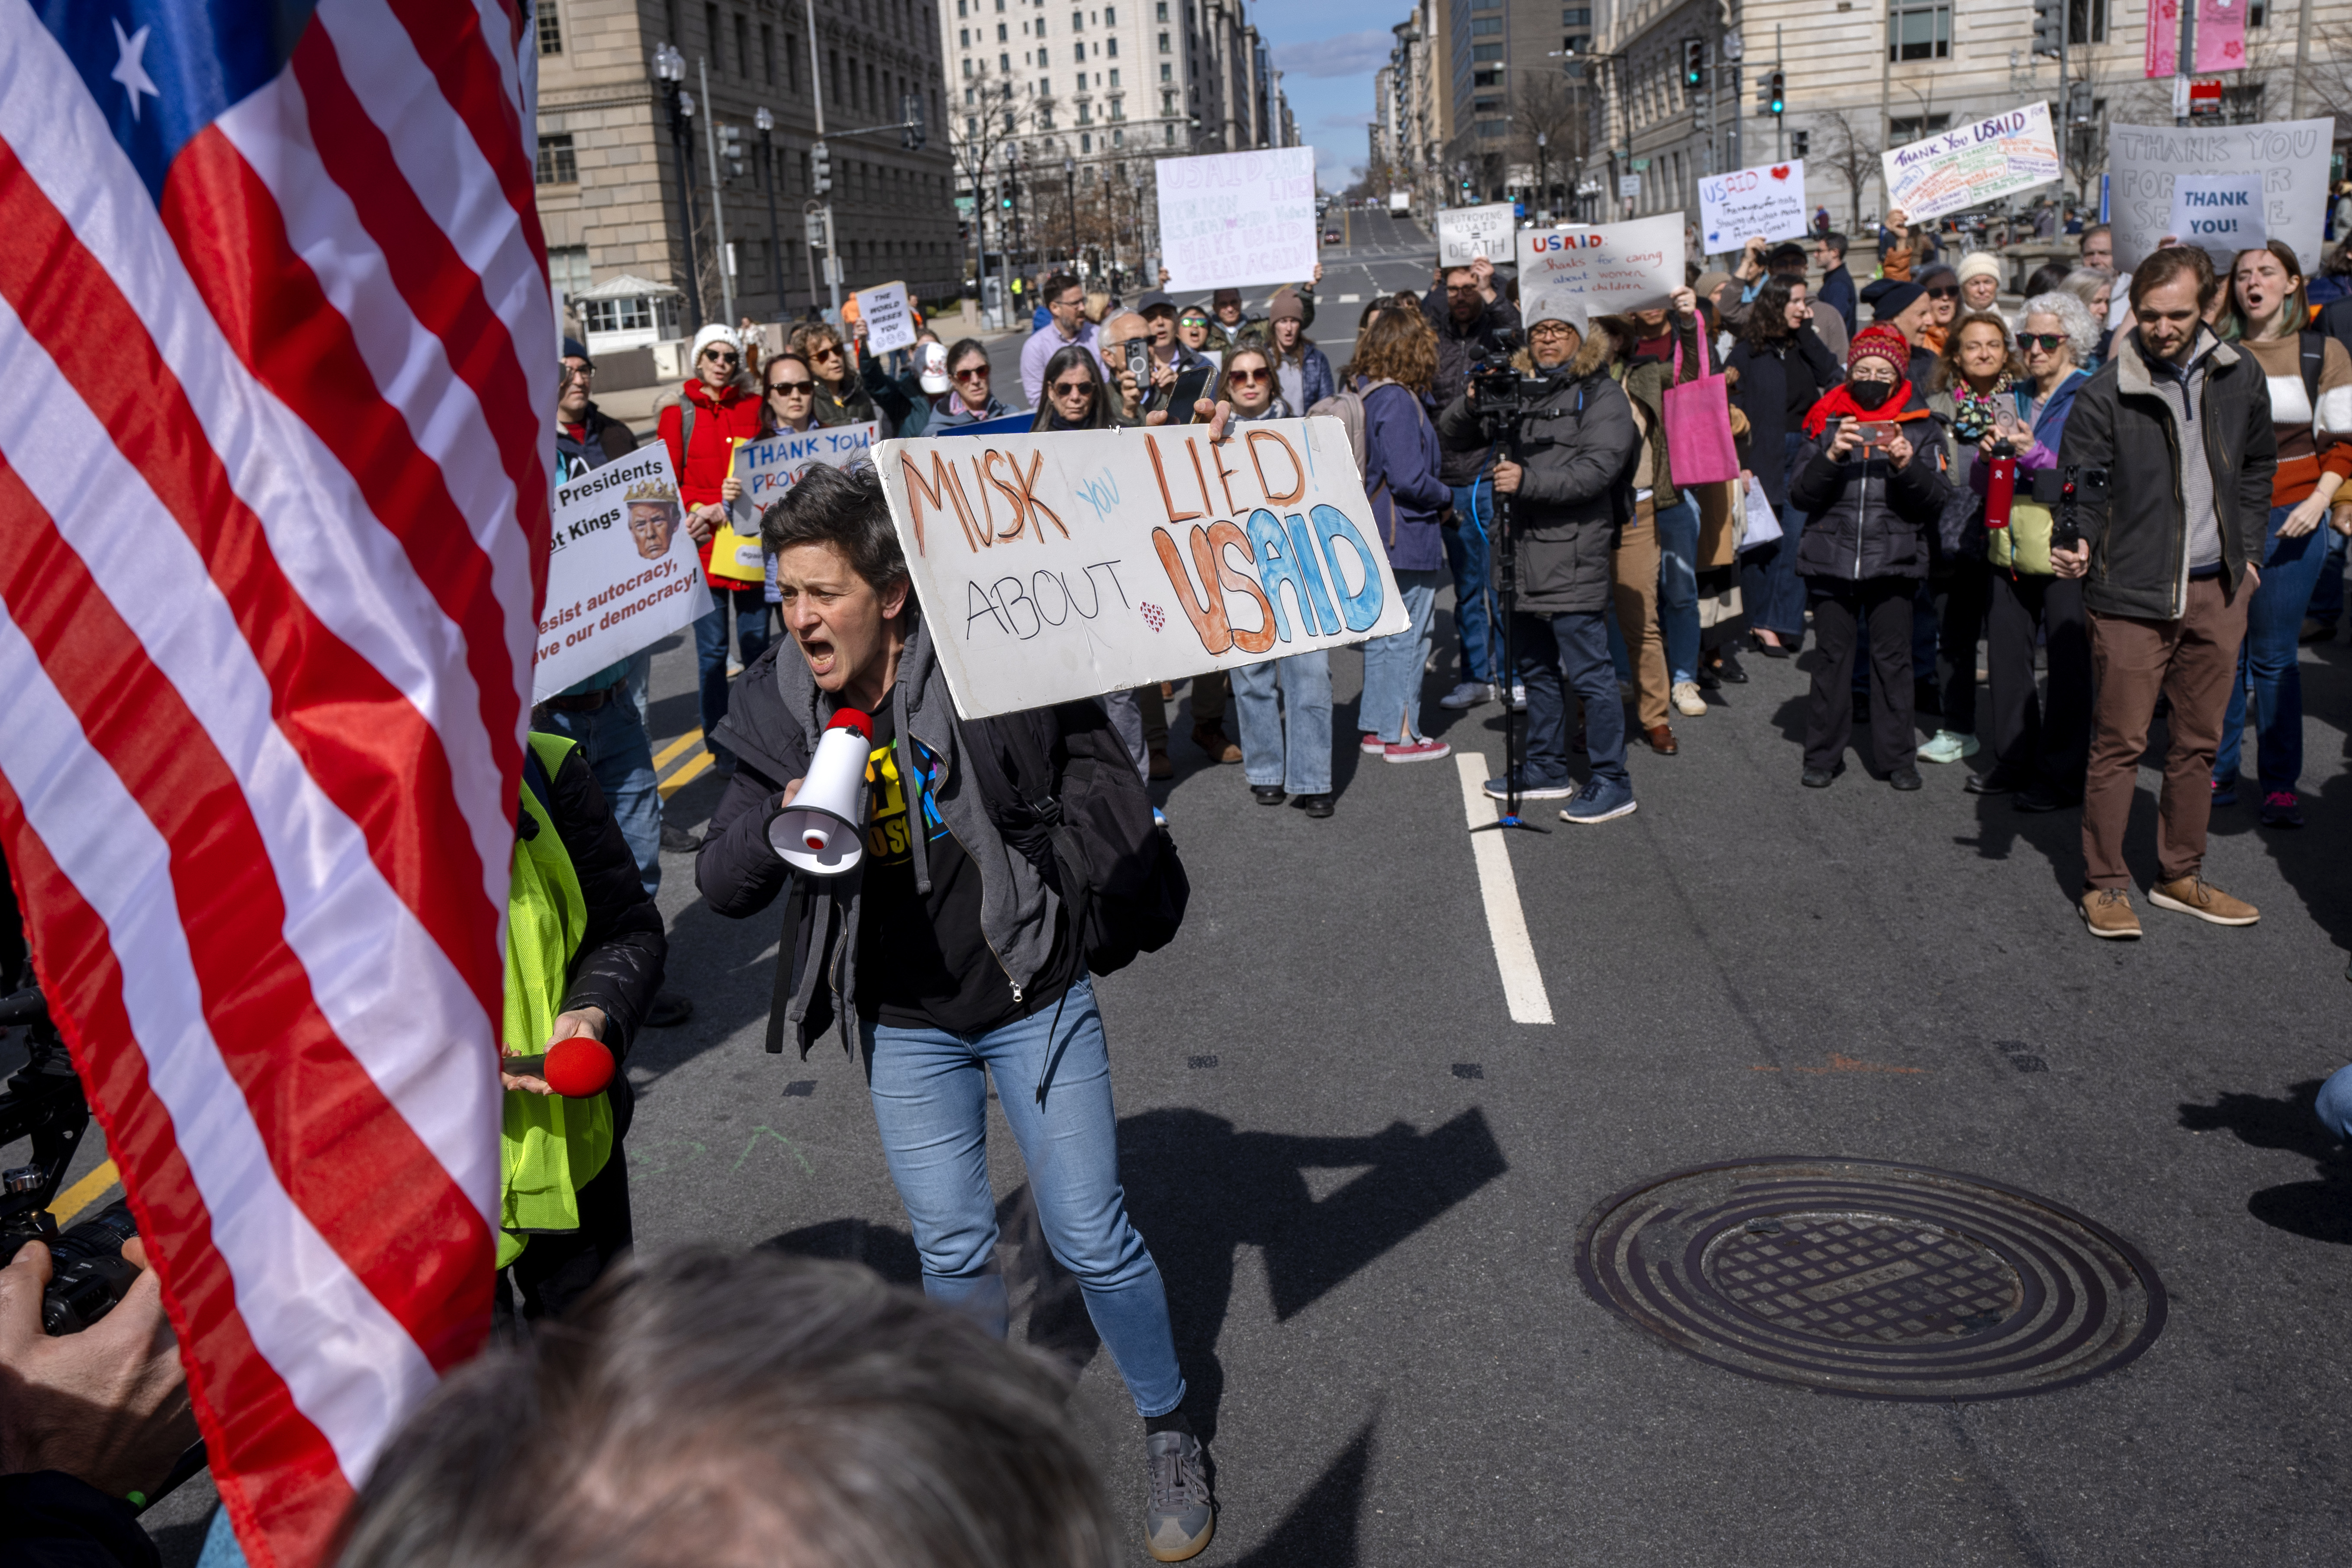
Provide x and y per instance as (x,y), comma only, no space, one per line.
(2319,1210)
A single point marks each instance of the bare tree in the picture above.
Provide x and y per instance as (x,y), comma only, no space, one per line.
(1850,154)
(984,135)
(1551,131)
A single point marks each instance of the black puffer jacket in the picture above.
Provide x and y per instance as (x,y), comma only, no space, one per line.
(623,947)
(1863,517)
(1582,450)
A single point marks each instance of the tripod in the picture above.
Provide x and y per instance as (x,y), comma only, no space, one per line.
(1501,425)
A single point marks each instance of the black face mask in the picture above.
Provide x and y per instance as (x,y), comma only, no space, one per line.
(1870,394)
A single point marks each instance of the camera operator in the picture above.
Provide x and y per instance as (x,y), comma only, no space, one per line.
(86,1421)
(1572,493)
(948,949)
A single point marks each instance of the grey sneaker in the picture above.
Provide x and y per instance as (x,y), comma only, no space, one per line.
(1180,1517)
(1469,694)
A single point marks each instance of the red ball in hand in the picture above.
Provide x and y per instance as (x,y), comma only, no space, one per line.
(578,1068)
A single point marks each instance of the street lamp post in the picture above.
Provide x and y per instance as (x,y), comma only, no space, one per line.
(1070,188)
(767,124)
(669,73)
(1543,172)
(717,210)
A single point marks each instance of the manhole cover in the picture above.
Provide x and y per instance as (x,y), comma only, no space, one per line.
(1875,1280)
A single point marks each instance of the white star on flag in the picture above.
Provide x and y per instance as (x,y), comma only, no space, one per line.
(130,71)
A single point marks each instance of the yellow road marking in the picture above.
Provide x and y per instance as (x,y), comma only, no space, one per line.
(84,1193)
(671,752)
(685,776)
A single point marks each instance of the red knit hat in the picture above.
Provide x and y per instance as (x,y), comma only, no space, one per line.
(1875,341)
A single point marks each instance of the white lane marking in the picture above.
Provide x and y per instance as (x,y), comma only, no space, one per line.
(1350,299)
(1506,923)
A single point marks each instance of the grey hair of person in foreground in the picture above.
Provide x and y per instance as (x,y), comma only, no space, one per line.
(2083,333)
(728,1410)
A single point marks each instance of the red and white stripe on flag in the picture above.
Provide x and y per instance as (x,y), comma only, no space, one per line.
(275,365)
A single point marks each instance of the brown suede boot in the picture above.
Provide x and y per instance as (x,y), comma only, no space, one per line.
(1211,739)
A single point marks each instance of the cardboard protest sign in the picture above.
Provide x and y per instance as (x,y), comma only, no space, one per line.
(1228,220)
(1767,200)
(2220,213)
(771,465)
(1062,566)
(2289,156)
(890,322)
(1969,165)
(621,574)
(1465,234)
(1612,267)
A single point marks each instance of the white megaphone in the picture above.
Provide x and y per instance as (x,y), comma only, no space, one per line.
(823,832)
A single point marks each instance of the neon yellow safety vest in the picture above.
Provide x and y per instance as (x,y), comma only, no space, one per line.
(548,1146)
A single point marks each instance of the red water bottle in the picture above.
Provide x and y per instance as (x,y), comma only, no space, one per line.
(2000,484)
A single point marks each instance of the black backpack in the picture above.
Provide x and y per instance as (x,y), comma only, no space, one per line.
(1090,831)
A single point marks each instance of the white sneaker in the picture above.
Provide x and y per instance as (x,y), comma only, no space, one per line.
(1519,697)
(1688,700)
(1469,694)
(1949,746)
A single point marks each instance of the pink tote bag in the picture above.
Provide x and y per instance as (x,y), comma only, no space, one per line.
(1697,416)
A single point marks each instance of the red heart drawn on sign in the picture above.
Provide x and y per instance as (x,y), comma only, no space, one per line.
(1781,170)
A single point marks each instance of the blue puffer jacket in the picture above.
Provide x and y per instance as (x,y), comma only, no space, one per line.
(1400,463)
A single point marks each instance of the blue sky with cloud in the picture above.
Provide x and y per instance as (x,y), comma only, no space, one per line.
(1328,56)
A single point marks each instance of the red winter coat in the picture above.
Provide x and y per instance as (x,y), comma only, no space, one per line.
(719,422)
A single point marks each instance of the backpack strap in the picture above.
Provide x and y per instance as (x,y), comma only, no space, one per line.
(2314,351)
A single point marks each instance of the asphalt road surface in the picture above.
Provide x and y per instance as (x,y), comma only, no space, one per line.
(1363,1181)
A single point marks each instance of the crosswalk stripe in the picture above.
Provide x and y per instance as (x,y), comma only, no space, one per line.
(1507,922)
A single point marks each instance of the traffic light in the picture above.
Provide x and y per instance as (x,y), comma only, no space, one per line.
(2049,17)
(1694,64)
(819,168)
(910,116)
(1776,93)
(731,150)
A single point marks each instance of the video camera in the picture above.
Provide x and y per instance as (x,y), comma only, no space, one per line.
(43,1101)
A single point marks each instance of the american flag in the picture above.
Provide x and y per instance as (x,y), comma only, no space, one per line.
(276,361)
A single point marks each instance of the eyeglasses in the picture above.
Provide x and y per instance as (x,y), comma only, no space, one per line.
(720,356)
(791,388)
(1550,329)
(1249,377)
(2049,341)
(580,372)
(832,351)
(973,373)
(1462,287)
(1943,293)
(1072,388)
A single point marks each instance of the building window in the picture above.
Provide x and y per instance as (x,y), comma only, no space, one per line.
(1486,51)
(1117,109)
(1086,143)
(556,163)
(1167,72)
(1086,113)
(1486,78)
(1003,35)
(551,30)
(1163,44)
(1167,135)
(1800,143)
(1004,63)
(1912,128)
(1117,138)
(1160,14)
(1485,27)
(971,125)
(967,71)
(1920,31)
(1112,48)
(963,37)
(567,270)
(742,44)
(1078,21)
(1041,56)
(2086,20)
(1488,130)
(1113,77)
(1576,16)
(768,53)
(710,35)
(1111,15)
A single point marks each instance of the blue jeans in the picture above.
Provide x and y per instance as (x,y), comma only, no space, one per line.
(2334,1103)
(1559,654)
(1678,527)
(1393,665)
(2327,598)
(750,612)
(1290,745)
(612,742)
(1469,554)
(930,1090)
(2267,669)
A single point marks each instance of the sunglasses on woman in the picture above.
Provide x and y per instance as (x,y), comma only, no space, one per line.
(831,351)
(2049,341)
(1248,377)
(973,373)
(1943,293)
(791,388)
(720,356)
(1072,388)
